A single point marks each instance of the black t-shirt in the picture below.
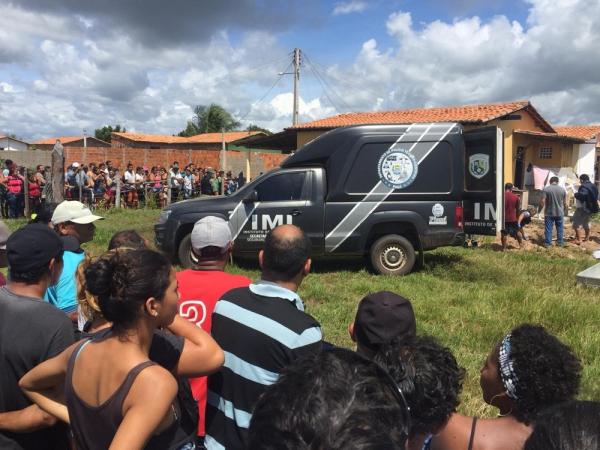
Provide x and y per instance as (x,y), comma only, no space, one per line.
(165,350)
(31,331)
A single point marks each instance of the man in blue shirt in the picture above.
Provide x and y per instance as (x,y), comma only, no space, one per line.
(74,223)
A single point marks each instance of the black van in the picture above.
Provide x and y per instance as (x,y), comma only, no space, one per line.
(388,192)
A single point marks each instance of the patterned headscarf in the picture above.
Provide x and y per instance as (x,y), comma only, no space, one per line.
(507,370)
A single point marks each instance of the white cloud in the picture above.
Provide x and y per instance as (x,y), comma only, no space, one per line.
(59,75)
(552,60)
(352,6)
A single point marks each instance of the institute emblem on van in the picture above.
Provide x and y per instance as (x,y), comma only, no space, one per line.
(479,165)
(397,168)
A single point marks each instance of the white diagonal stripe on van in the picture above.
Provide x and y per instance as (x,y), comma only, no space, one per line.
(375,190)
(377,195)
(239,217)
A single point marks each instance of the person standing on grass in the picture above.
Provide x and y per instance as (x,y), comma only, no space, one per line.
(201,286)
(182,348)
(114,395)
(586,203)
(31,331)
(431,381)
(512,205)
(554,200)
(74,223)
(381,317)
(262,329)
(528,371)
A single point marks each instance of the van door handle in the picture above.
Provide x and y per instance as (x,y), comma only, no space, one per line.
(296,212)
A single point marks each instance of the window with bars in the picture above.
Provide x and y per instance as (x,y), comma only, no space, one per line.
(546,153)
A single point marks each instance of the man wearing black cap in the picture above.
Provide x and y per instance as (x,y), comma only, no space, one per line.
(381,318)
(31,331)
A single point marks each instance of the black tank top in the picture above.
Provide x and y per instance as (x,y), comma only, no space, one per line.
(94,427)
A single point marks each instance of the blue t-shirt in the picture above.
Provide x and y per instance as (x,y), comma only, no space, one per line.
(63,295)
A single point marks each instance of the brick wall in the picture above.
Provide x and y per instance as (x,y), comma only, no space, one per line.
(236,161)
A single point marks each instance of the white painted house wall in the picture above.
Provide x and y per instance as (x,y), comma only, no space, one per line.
(586,158)
(10,144)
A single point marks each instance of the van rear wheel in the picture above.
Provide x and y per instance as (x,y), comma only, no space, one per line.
(183,253)
(392,255)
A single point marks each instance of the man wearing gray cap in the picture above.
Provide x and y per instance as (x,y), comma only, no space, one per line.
(201,286)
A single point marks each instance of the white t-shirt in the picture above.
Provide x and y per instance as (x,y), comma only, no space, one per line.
(129,177)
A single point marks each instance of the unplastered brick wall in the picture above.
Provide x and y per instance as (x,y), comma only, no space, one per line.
(120,157)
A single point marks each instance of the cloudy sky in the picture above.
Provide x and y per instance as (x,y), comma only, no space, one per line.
(69,65)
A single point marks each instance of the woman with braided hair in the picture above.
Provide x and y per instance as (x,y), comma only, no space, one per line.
(526,372)
(115,396)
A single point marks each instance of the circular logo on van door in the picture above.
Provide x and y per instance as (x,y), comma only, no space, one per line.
(397,168)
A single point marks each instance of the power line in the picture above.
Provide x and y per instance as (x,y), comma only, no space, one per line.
(325,83)
(279,75)
(267,64)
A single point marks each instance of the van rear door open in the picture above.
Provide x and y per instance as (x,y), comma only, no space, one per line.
(483,204)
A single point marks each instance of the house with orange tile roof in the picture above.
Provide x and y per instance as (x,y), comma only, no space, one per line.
(205,141)
(68,141)
(589,153)
(528,137)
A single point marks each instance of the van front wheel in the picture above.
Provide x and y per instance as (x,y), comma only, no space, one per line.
(392,255)
(183,253)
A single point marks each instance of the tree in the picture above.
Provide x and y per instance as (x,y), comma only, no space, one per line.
(253,127)
(214,118)
(104,132)
(191,130)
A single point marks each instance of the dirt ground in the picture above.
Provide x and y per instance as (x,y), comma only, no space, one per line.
(535,242)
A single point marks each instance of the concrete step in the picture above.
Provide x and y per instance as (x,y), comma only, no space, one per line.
(590,276)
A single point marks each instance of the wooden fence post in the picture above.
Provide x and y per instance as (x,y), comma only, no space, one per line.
(26,192)
(58,173)
(168,188)
(118,193)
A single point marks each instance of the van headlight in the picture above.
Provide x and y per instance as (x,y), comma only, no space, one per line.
(164,216)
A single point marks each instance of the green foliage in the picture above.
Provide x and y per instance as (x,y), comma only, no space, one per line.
(190,130)
(104,132)
(253,127)
(214,118)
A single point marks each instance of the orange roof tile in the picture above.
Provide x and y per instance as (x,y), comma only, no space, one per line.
(586,132)
(554,136)
(216,137)
(62,139)
(205,138)
(472,114)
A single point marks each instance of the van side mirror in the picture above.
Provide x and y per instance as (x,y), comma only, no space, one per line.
(252,197)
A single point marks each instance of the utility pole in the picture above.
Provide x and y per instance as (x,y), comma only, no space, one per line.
(296,85)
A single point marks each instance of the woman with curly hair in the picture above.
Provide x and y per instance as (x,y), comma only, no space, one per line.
(431,381)
(115,395)
(526,372)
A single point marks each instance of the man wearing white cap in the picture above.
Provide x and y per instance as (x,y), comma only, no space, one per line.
(74,223)
(201,286)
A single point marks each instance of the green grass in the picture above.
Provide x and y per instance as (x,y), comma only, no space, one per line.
(467,298)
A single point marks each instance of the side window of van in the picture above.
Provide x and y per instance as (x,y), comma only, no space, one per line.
(282,187)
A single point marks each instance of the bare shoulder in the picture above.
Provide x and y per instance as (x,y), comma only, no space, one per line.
(154,381)
(455,434)
(502,433)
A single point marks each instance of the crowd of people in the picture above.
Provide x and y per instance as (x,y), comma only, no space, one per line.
(553,202)
(122,352)
(96,184)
